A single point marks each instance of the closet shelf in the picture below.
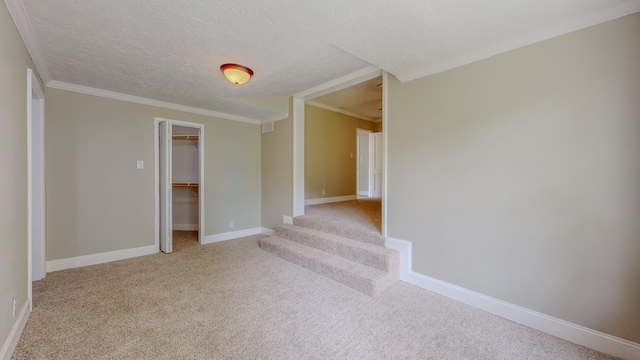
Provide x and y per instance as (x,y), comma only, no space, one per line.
(185,137)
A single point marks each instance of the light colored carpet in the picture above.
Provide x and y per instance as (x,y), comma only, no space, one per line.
(350,261)
(231,300)
(355,219)
(366,213)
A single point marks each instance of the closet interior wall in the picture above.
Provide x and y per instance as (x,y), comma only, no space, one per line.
(185,170)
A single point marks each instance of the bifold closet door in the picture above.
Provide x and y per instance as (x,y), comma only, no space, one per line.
(166,238)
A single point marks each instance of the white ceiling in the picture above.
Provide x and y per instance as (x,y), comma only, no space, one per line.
(171,50)
(363,100)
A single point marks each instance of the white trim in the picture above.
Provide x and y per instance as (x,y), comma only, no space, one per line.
(14,335)
(267,231)
(186,227)
(340,83)
(21,20)
(366,193)
(201,186)
(156,182)
(33,86)
(405,249)
(385,142)
(100,258)
(578,334)
(145,101)
(330,200)
(298,157)
(342,111)
(287,219)
(231,235)
(357,77)
(601,16)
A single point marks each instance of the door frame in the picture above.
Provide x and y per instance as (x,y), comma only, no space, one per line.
(372,167)
(201,185)
(35,100)
(358,132)
(299,99)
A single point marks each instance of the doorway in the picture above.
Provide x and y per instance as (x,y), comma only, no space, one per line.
(362,163)
(298,115)
(35,182)
(369,164)
(179,181)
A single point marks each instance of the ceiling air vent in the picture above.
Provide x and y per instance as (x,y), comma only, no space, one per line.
(267,127)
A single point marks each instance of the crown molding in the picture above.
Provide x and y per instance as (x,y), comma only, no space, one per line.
(612,13)
(21,20)
(340,83)
(145,101)
(341,111)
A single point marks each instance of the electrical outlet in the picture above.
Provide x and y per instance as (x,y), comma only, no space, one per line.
(232,224)
(324,191)
(14,306)
(139,164)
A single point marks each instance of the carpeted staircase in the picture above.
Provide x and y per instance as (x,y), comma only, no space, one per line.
(338,250)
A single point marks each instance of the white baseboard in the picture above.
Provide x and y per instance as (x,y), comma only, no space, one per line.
(578,334)
(267,231)
(99,258)
(363,193)
(404,247)
(186,227)
(11,341)
(231,235)
(287,219)
(329,200)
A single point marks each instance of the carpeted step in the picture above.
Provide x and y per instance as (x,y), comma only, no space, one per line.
(377,257)
(340,228)
(360,277)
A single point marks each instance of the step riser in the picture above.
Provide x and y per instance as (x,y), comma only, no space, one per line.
(387,261)
(343,276)
(340,230)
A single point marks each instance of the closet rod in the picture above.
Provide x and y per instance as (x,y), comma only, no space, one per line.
(185,137)
(185,184)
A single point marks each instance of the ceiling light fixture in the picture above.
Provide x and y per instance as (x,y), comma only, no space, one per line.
(235,73)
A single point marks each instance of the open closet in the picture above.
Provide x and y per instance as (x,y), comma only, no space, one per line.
(185,171)
(180,183)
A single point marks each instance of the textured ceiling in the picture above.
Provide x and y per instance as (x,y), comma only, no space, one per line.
(363,100)
(171,50)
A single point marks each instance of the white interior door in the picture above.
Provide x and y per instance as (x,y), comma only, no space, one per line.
(37,190)
(36,260)
(362,167)
(164,164)
(375,155)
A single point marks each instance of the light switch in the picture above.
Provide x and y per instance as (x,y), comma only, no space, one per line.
(140,164)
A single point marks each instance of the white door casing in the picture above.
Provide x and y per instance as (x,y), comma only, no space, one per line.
(36,257)
(163,182)
(362,163)
(166,231)
(375,165)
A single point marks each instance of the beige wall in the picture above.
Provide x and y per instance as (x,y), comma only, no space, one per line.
(14,61)
(518,176)
(329,142)
(96,199)
(277,172)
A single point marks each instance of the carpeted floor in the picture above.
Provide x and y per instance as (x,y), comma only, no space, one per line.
(366,213)
(232,300)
